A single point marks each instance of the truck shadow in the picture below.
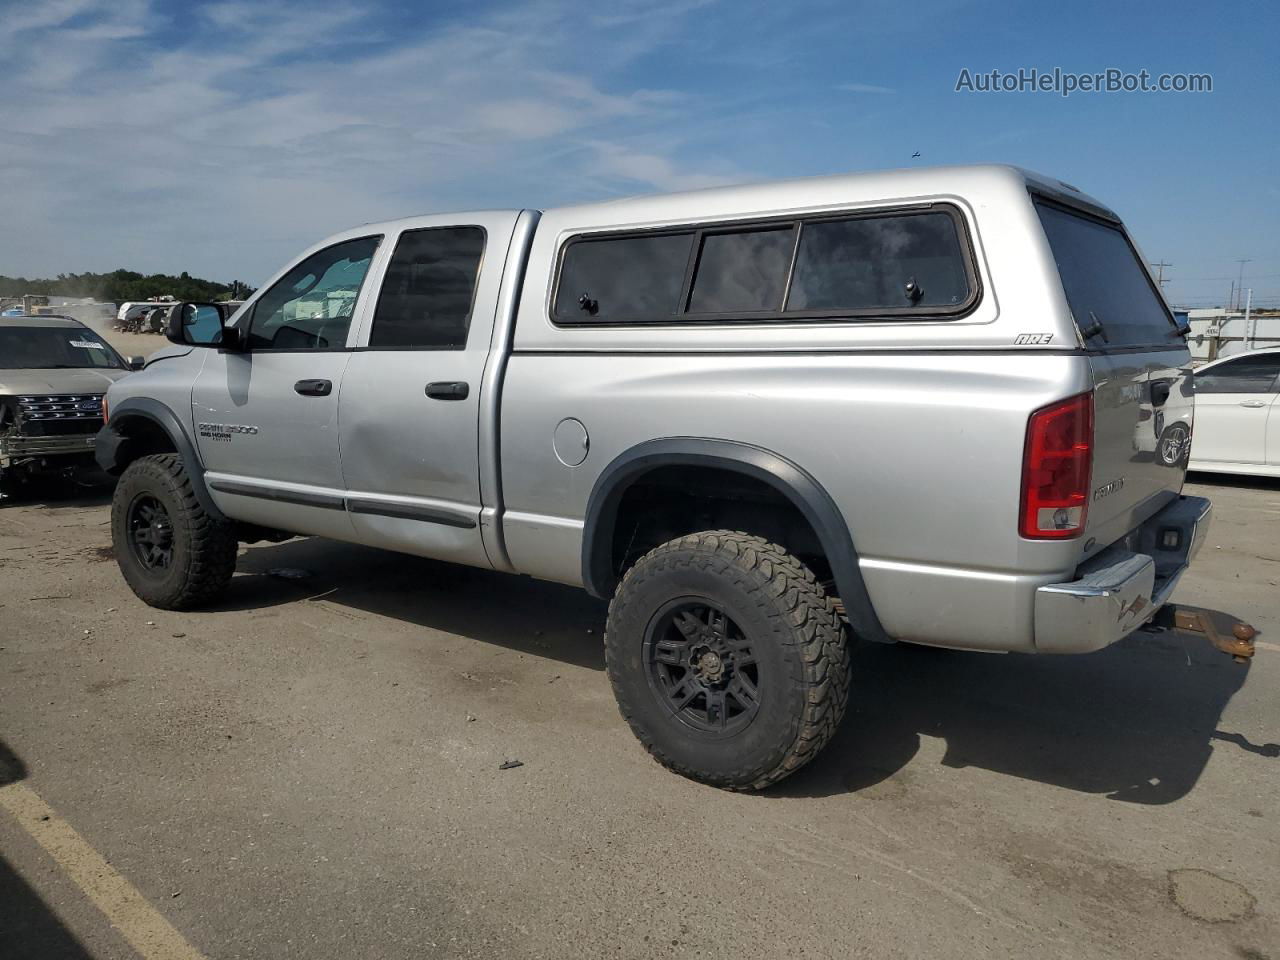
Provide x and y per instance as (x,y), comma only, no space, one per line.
(28,927)
(1136,722)
(519,613)
(86,489)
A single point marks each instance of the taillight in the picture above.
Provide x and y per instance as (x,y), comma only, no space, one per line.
(1057,464)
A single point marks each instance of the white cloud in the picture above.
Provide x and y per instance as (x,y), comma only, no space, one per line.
(650,169)
(225,146)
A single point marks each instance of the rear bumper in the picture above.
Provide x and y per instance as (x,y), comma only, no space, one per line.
(1120,589)
(13,449)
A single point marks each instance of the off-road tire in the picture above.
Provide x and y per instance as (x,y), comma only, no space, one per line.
(204,548)
(802,648)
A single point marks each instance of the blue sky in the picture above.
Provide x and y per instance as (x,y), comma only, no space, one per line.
(221,138)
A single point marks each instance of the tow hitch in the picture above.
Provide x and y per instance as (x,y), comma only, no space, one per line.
(1238,644)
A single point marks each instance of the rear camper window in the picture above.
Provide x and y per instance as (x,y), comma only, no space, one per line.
(912,264)
(1106,285)
(866,263)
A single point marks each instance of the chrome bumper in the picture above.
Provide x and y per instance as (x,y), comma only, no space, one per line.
(1120,589)
(24,448)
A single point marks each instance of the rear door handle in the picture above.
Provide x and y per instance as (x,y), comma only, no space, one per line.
(448,390)
(313,388)
(1253,403)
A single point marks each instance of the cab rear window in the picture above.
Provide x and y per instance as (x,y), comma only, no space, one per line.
(1110,293)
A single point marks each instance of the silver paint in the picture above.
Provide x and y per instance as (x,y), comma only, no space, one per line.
(914,427)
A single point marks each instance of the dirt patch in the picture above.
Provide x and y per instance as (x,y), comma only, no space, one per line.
(104,685)
(1207,896)
(99,554)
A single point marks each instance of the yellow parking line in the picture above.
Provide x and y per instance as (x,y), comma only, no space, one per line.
(128,910)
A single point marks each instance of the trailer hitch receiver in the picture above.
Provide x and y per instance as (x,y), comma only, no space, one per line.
(1238,644)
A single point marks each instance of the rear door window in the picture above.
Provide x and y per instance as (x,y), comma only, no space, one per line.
(425,301)
(1106,285)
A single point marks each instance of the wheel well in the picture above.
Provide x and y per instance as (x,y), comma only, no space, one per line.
(142,438)
(670,501)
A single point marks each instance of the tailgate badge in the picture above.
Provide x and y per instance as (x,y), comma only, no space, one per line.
(1109,488)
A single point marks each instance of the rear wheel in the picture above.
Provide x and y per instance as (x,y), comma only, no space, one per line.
(171,552)
(728,659)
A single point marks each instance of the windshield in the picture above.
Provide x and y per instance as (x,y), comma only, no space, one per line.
(46,348)
(1106,285)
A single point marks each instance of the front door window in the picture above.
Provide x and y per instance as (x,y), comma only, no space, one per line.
(310,307)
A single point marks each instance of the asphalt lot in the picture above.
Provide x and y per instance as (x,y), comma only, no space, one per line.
(311,769)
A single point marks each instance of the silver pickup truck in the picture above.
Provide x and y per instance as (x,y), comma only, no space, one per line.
(942,406)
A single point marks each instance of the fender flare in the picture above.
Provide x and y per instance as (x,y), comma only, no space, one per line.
(789,479)
(107,448)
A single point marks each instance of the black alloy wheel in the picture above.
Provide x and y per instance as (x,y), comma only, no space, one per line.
(702,666)
(150,533)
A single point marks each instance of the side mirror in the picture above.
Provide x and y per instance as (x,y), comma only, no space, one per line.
(135,363)
(197,325)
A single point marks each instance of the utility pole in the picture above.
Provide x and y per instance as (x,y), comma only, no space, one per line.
(1248,309)
(1240,283)
(1160,280)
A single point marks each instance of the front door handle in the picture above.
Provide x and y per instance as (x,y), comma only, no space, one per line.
(448,390)
(1253,403)
(313,388)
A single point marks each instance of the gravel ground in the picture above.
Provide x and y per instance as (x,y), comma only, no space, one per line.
(311,769)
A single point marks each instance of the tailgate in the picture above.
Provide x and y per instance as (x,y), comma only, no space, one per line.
(1142,432)
(1143,404)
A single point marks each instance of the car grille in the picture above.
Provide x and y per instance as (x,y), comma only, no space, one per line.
(59,414)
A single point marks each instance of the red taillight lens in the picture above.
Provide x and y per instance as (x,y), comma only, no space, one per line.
(1056,468)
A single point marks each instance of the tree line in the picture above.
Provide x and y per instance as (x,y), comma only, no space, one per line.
(121,285)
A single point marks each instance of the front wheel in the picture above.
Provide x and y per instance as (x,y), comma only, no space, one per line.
(171,552)
(728,659)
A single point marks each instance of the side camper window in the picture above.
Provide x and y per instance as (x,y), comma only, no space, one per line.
(869,265)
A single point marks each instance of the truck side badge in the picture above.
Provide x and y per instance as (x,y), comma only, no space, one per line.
(1032,338)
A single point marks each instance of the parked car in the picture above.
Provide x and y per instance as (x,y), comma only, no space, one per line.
(759,420)
(54,372)
(1237,419)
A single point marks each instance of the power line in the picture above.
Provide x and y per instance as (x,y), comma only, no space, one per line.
(1160,280)
(1256,276)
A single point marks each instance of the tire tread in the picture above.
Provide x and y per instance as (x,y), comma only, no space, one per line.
(814,627)
(211,543)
